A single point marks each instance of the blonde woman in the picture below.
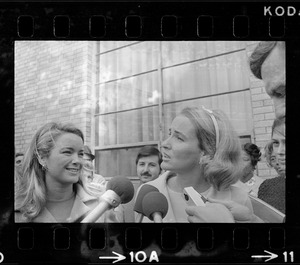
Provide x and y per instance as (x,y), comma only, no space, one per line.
(202,151)
(52,188)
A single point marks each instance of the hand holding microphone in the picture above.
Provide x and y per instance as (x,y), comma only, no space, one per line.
(118,190)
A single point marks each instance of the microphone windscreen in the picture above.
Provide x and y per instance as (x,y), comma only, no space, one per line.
(146,188)
(155,202)
(123,187)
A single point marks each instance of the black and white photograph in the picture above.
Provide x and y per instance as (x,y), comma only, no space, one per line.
(149,131)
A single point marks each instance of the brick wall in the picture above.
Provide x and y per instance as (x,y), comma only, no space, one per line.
(263,116)
(53,82)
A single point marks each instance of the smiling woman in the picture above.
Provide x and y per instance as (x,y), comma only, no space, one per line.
(51,188)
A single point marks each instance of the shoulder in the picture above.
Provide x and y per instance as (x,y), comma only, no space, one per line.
(265,184)
(19,218)
(238,194)
(96,188)
(99,179)
(161,180)
(277,183)
(240,185)
(85,197)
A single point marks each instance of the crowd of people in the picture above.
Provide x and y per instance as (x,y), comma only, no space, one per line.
(55,179)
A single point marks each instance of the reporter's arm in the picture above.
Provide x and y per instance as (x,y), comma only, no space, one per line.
(241,213)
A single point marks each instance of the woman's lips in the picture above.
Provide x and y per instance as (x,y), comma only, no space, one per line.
(73,170)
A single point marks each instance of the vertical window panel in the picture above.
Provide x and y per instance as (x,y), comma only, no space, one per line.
(132,126)
(133,92)
(235,106)
(128,61)
(177,52)
(107,129)
(106,163)
(204,78)
(107,100)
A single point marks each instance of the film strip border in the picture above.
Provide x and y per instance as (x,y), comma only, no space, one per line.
(178,243)
(114,21)
(167,21)
(133,237)
(170,26)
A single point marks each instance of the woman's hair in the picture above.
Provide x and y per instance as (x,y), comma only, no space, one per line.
(149,150)
(254,153)
(259,55)
(221,163)
(31,191)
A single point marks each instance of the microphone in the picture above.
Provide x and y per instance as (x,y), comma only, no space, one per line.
(138,207)
(118,190)
(155,206)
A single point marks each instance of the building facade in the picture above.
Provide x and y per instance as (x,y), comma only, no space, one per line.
(124,95)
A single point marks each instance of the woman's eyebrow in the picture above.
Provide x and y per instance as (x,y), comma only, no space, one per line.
(70,148)
(66,146)
(180,133)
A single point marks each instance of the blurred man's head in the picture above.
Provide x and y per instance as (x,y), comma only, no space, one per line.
(87,154)
(18,162)
(278,139)
(148,163)
(267,62)
(88,171)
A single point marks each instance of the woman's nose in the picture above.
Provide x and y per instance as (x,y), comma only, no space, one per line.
(76,159)
(166,143)
(281,149)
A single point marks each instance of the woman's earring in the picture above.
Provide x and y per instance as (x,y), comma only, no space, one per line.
(201,158)
(204,159)
(44,167)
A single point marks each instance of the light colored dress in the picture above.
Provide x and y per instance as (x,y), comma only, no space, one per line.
(82,205)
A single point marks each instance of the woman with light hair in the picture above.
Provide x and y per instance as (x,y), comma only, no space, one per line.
(53,188)
(202,152)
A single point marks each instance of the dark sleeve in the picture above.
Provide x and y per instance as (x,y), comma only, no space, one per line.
(262,190)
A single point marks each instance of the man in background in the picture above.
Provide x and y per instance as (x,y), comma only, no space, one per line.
(148,162)
(18,162)
(267,62)
(89,170)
